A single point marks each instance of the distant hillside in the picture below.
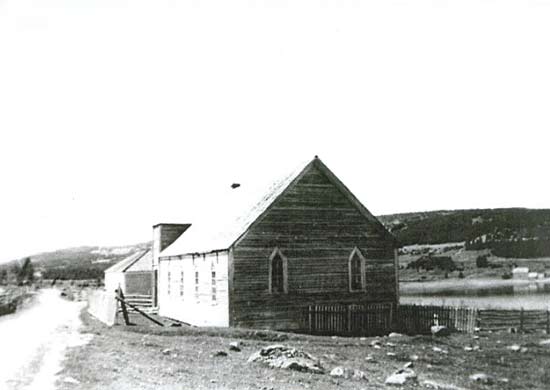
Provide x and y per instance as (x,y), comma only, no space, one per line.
(86,262)
(513,232)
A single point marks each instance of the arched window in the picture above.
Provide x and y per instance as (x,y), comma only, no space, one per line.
(278,278)
(356,271)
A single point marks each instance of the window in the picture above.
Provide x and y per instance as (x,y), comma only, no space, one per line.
(213,286)
(197,284)
(181,285)
(169,282)
(356,270)
(278,273)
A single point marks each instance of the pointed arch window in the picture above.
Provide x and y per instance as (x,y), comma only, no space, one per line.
(278,273)
(356,265)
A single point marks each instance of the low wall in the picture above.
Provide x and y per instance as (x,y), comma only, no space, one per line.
(103,306)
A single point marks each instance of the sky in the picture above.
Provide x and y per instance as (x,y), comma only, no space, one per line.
(116,115)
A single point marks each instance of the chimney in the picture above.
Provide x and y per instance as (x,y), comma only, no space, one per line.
(165,234)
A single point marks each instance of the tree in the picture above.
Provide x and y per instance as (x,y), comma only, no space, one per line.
(26,272)
(3,276)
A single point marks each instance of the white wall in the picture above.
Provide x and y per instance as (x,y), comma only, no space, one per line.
(113,280)
(196,307)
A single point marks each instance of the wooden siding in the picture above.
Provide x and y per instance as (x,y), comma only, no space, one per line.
(195,307)
(316,227)
(138,282)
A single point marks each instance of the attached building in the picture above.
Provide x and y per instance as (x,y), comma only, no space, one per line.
(133,274)
(307,242)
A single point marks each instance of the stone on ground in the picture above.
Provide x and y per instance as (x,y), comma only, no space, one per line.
(280,356)
(402,377)
(481,377)
(394,334)
(235,346)
(348,373)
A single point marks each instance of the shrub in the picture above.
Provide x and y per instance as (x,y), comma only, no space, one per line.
(482,262)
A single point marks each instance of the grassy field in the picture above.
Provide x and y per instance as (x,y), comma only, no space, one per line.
(149,357)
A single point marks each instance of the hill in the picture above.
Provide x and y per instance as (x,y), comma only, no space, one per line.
(85,262)
(514,232)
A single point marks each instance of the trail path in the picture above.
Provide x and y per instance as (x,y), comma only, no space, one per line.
(34,339)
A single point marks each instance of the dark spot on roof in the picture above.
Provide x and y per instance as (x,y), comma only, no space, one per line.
(235,185)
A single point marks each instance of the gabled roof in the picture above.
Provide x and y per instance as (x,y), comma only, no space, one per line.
(237,214)
(139,261)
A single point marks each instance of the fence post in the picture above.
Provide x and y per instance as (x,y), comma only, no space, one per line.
(521,320)
(120,295)
(347,319)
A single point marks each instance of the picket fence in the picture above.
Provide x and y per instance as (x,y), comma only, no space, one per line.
(378,319)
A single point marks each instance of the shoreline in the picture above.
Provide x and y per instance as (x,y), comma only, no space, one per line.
(447,285)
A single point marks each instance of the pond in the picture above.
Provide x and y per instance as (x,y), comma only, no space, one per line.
(483,294)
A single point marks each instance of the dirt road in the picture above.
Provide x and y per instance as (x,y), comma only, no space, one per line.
(33,341)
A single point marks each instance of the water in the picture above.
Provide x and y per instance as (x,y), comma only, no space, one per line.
(491,295)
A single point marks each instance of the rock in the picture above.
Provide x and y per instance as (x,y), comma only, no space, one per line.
(468,349)
(359,375)
(414,358)
(255,357)
(394,334)
(514,347)
(390,344)
(481,377)
(71,380)
(377,346)
(408,365)
(362,338)
(279,356)
(441,386)
(523,350)
(476,348)
(348,373)
(440,330)
(544,342)
(235,346)
(220,353)
(391,354)
(401,377)
(375,342)
(369,358)
(439,350)
(166,351)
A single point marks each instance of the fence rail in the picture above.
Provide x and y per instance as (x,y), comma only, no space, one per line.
(143,302)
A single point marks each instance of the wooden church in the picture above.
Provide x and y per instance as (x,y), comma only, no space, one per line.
(308,243)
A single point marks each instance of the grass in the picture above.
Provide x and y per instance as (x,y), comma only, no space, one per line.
(150,357)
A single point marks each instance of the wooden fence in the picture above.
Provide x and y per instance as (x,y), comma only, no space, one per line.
(142,302)
(379,319)
(417,319)
(363,320)
(520,320)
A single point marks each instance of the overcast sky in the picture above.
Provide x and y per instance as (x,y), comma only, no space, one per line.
(115,115)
